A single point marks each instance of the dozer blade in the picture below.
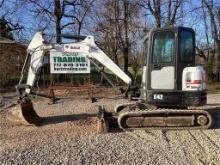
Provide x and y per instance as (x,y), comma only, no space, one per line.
(24,114)
(165,119)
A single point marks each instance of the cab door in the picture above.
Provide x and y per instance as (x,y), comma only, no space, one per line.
(162,61)
(186,55)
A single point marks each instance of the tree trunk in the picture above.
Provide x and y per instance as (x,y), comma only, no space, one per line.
(116,58)
(218,60)
(215,34)
(125,53)
(126,45)
(58,32)
(58,17)
(158,13)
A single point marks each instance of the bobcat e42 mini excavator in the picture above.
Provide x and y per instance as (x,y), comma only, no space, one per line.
(171,83)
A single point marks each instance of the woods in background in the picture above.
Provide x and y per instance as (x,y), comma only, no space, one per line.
(119,26)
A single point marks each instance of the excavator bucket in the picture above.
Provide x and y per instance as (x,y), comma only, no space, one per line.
(24,114)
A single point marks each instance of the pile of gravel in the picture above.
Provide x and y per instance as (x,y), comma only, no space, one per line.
(62,141)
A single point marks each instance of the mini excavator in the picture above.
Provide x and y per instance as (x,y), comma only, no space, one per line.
(172,85)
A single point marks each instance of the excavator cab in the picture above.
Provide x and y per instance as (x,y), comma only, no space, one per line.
(170,68)
(172,85)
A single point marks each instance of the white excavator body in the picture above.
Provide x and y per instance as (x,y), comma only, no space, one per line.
(167,81)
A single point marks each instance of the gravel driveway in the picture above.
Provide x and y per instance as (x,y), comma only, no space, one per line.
(64,139)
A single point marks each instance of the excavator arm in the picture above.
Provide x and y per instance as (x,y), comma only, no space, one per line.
(24,113)
(36,51)
(35,54)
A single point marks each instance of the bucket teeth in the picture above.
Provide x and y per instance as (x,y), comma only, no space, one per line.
(24,114)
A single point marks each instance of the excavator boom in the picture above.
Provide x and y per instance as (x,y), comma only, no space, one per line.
(24,112)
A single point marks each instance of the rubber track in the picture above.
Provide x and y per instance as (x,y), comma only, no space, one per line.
(150,111)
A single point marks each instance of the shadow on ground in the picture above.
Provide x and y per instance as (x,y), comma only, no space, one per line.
(113,126)
(215,113)
(65,118)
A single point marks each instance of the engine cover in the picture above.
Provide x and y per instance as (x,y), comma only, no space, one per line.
(193,79)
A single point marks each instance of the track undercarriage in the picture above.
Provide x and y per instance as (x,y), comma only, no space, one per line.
(130,116)
(140,116)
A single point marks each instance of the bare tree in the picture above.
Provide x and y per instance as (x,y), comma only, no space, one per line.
(173,7)
(205,50)
(53,10)
(58,14)
(63,13)
(213,16)
(10,20)
(164,11)
(124,39)
(119,26)
(1,3)
(107,25)
(7,27)
(155,9)
(78,14)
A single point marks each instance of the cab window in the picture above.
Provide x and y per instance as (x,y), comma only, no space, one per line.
(163,47)
(186,46)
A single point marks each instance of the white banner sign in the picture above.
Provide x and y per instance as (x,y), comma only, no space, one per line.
(61,62)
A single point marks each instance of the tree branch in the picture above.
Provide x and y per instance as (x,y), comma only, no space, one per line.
(178,3)
(1,3)
(201,53)
(70,23)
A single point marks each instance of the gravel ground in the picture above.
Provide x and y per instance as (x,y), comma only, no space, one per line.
(64,139)
(7,100)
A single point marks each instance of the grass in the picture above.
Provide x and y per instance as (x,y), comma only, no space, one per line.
(130,69)
(214,88)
